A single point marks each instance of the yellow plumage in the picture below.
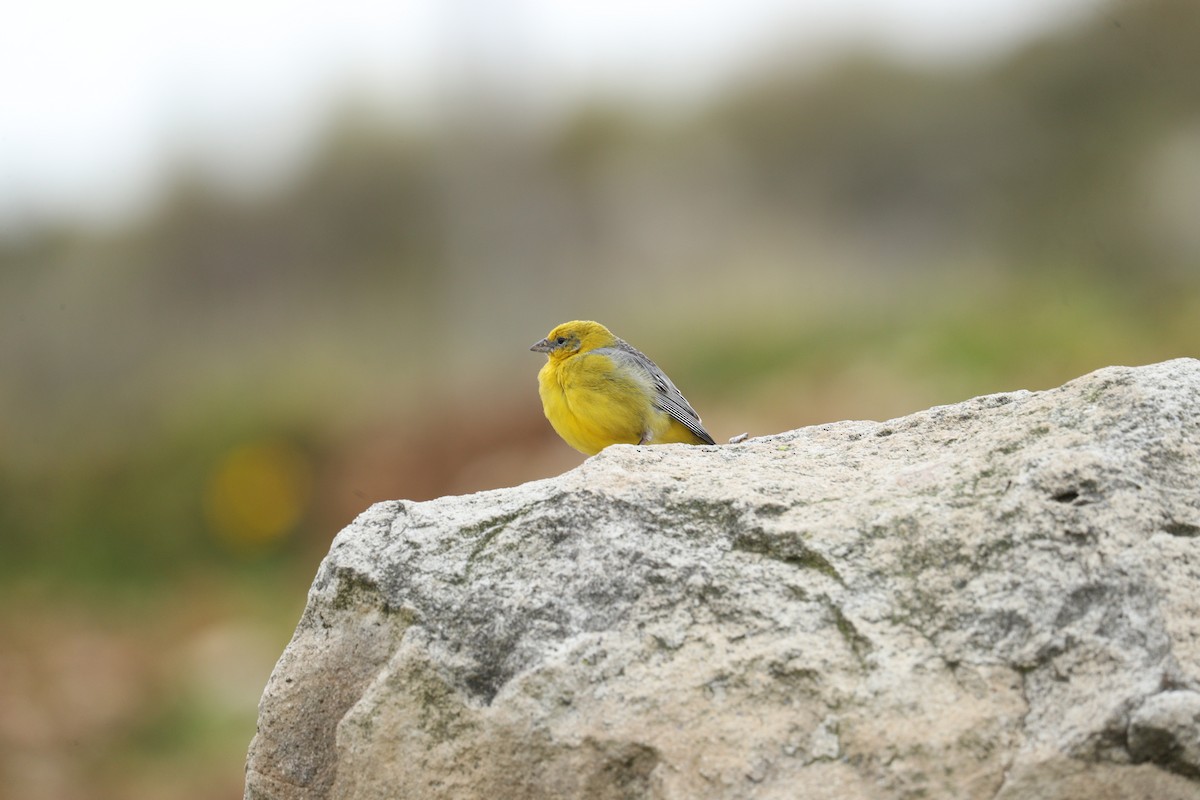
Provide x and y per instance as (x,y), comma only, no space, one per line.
(598,390)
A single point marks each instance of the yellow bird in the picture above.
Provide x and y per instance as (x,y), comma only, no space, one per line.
(598,390)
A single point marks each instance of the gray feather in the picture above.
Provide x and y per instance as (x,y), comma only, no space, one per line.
(668,398)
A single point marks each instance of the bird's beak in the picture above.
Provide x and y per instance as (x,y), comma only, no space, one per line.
(542,347)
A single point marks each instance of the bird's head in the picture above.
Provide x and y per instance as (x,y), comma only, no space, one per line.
(574,337)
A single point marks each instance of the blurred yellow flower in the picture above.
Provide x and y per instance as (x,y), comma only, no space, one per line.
(258,494)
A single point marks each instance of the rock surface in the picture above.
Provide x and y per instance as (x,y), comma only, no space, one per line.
(993,599)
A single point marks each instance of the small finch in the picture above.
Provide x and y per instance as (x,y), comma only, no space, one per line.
(598,390)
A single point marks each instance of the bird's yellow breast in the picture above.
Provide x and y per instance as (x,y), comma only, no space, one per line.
(592,404)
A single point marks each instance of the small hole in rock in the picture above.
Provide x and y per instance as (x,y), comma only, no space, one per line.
(1069,496)
(1182,529)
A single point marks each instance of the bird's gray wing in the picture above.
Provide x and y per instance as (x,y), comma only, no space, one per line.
(667,396)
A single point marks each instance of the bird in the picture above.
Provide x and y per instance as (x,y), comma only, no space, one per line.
(597,390)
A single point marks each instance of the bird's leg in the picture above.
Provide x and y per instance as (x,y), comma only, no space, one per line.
(646,437)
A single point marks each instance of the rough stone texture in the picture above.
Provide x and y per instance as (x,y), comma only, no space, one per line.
(993,599)
(1166,730)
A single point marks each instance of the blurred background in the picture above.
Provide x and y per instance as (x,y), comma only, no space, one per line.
(265,263)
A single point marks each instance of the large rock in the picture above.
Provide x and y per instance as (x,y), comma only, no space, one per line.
(993,599)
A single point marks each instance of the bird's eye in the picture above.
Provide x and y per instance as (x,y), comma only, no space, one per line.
(561,340)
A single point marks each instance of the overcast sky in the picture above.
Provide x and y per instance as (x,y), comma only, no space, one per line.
(97,97)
